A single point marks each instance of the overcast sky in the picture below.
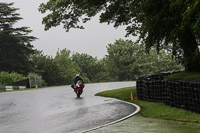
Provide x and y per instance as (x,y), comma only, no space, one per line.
(92,40)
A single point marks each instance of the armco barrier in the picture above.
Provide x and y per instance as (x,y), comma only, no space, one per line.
(174,93)
(11,88)
(2,88)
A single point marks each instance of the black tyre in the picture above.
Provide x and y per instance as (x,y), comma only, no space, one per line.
(78,95)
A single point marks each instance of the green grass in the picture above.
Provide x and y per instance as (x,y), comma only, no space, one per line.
(152,109)
(185,76)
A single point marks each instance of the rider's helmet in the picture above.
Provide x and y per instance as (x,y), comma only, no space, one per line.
(77,75)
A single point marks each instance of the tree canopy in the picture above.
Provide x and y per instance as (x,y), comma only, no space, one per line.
(46,67)
(66,67)
(15,44)
(87,64)
(127,60)
(160,23)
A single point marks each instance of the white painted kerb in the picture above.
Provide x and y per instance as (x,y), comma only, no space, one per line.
(135,112)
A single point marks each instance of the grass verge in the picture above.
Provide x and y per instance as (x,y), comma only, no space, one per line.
(194,76)
(152,109)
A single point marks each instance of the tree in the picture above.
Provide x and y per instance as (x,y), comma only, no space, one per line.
(15,44)
(127,60)
(87,64)
(160,23)
(55,71)
(46,67)
(67,68)
(10,78)
(92,69)
(120,59)
(154,63)
(103,74)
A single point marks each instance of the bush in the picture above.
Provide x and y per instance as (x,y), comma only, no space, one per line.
(10,78)
(44,83)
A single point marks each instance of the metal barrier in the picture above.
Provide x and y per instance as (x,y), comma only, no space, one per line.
(11,88)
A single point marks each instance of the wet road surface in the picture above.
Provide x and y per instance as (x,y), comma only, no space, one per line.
(57,110)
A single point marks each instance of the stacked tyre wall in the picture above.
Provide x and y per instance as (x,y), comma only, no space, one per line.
(174,93)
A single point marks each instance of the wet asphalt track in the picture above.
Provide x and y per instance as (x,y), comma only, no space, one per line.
(57,110)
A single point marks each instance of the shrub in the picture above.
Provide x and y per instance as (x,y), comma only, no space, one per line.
(44,83)
(10,78)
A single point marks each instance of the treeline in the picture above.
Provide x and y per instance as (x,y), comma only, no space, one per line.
(125,60)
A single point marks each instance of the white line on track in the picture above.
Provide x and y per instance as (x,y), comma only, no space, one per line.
(126,117)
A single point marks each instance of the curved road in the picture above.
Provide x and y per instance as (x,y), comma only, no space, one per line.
(57,110)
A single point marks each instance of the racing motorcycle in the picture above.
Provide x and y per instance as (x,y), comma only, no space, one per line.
(78,88)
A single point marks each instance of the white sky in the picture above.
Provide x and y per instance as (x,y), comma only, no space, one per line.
(92,40)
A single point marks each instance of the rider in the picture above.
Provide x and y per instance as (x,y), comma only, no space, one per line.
(77,79)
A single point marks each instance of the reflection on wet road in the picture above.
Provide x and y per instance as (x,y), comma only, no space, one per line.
(57,110)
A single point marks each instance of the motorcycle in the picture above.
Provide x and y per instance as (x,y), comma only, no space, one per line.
(78,88)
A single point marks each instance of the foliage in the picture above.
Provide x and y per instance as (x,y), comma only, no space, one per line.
(163,23)
(10,78)
(127,60)
(86,63)
(55,71)
(151,109)
(44,65)
(15,47)
(44,84)
(120,59)
(62,68)
(67,68)
(103,74)
(154,63)
(91,67)
(195,76)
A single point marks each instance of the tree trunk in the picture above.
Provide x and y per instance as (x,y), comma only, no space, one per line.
(191,51)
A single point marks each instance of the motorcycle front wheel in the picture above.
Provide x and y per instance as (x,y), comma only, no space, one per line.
(79,92)
(78,95)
